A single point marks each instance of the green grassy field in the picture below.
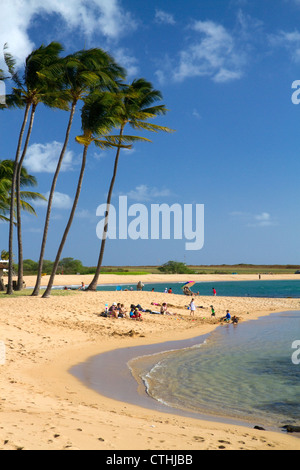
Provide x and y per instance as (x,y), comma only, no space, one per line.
(205,269)
(28,292)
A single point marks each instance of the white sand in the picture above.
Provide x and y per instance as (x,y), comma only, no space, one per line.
(44,407)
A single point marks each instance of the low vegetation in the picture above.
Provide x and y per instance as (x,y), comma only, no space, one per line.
(74,266)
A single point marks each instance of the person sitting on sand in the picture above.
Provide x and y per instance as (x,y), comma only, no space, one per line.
(227,317)
(135,314)
(164,309)
(113,310)
(82,287)
(235,320)
(187,291)
(122,311)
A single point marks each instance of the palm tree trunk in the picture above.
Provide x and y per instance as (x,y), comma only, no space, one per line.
(50,200)
(65,235)
(94,283)
(12,206)
(18,197)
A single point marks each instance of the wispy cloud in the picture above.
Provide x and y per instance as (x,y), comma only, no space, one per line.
(144,193)
(211,50)
(213,53)
(43,158)
(127,60)
(264,219)
(60,201)
(290,40)
(163,17)
(106,17)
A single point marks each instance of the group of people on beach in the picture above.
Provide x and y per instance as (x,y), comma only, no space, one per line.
(227,318)
(117,310)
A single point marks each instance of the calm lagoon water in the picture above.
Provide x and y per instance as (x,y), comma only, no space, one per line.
(274,289)
(244,372)
(239,373)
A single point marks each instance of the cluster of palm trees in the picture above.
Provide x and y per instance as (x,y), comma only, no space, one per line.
(109,104)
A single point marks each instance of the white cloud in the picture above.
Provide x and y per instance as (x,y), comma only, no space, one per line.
(43,158)
(264,219)
(123,57)
(196,114)
(214,53)
(60,201)
(85,215)
(144,193)
(106,17)
(288,40)
(164,18)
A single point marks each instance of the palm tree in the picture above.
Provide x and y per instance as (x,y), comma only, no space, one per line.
(137,99)
(99,115)
(81,72)
(4,200)
(26,181)
(28,92)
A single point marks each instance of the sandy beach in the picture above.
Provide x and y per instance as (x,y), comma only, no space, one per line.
(44,407)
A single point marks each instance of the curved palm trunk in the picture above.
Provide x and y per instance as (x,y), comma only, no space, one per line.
(50,201)
(12,205)
(18,197)
(57,259)
(94,283)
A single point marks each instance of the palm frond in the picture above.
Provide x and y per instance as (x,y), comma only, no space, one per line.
(83,140)
(32,196)
(147,126)
(27,207)
(117,140)
(11,64)
(4,219)
(107,144)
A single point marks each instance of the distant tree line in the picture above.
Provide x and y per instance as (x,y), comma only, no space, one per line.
(66,266)
(175,267)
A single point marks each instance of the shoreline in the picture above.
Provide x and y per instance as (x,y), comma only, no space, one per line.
(44,407)
(116,279)
(129,387)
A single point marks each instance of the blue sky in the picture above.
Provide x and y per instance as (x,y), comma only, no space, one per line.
(225,69)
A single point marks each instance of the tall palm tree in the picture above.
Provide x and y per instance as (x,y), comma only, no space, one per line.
(80,73)
(28,92)
(99,115)
(137,99)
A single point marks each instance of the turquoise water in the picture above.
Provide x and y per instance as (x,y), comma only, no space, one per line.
(244,372)
(273,289)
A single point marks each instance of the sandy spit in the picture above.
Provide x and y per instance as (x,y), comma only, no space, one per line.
(44,407)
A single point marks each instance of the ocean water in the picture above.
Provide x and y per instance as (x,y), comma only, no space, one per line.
(274,289)
(245,372)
